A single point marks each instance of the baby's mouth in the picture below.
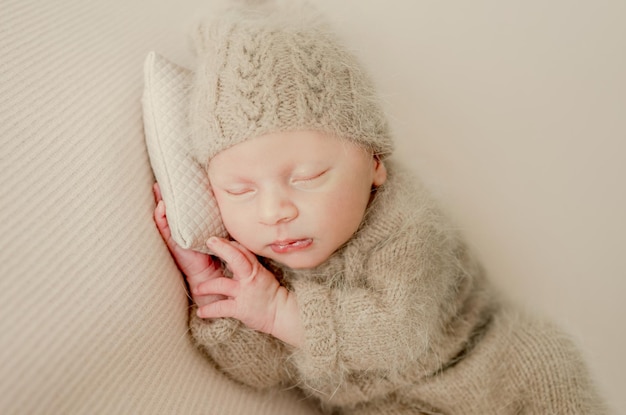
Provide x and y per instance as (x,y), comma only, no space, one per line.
(291,245)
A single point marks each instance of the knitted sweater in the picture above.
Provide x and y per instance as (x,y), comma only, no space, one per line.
(402,320)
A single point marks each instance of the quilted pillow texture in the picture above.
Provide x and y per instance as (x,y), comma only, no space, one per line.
(192,210)
(94,312)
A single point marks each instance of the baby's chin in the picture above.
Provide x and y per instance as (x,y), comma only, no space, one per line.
(299,262)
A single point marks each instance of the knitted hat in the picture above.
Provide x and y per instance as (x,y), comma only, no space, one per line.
(267,69)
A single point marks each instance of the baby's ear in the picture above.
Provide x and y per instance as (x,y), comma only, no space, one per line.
(192,211)
(380,171)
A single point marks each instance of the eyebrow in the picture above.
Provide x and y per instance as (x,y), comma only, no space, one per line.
(290,169)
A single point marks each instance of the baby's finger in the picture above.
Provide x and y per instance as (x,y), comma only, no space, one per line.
(251,256)
(161,220)
(203,300)
(218,309)
(236,260)
(223,286)
(156,190)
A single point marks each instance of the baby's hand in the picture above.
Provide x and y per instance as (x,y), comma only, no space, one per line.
(253,296)
(196,266)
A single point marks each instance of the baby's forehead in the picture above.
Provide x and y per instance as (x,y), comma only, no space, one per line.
(299,142)
(286,152)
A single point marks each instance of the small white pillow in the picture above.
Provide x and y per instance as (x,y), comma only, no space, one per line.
(192,211)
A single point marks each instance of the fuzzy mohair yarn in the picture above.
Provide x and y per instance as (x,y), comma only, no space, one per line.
(264,68)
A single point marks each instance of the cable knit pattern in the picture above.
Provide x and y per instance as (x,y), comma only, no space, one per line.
(260,72)
(319,328)
(402,320)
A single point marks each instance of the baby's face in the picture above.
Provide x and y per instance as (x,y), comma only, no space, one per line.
(294,197)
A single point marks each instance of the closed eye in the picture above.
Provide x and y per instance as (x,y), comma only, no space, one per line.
(309,178)
(238,192)
(311,181)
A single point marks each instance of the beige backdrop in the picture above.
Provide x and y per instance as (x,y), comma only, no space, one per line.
(514,112)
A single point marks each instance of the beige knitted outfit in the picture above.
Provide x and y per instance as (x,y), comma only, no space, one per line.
(401,319)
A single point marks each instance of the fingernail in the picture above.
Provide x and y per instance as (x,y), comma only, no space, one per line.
(211,241)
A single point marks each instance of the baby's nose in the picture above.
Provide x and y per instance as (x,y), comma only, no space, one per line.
(276,208)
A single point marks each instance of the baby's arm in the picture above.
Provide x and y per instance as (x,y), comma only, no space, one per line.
(247,356)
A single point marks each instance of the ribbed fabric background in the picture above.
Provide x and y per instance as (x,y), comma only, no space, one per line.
(93,314)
